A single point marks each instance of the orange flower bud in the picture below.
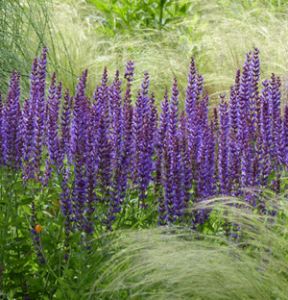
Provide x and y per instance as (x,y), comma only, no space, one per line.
(38,228)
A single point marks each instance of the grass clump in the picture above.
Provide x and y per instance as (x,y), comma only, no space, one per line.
(177,263)
(23,29)
(217,34)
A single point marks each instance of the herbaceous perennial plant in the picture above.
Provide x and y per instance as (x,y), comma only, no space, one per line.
(103,148)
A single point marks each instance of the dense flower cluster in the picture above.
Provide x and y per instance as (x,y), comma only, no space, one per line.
(104,147)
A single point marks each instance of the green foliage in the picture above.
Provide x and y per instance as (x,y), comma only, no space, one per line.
(237,254)
(128,15)
(21,273)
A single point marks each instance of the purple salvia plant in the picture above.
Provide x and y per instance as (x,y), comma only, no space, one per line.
(153,123)
(233,154)
(66,126)
(247,165)
(223,151)
(187,171)
(275,113)
(202,120)
(117,148)
(145,165)
(29,125)
(190,107)
(11,129)
(179,194)
(91,166)
(47,173)
(243,108)
(52,122)
(173,201)
(27,132)
(266,132)
(142,160)
(40,107)
(205,173)
(116,126)
(1,132)
(150,138)
(161,144)
(208,164)
(254,100)
(127,125)
(78,151)
(215,121)
(103,137)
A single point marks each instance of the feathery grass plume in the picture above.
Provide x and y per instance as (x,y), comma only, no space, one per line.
(64,25)
(23,33)
(177,263)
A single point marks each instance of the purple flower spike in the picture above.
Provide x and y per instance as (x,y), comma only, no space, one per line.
(275,112)
(65,126)
(29,121)
(1,132)
(223,147)
(244,118)
(187,171)
(192,95)
(266,133)
(142,160)
(40,108)
(79,151)
(254,100)
(160,148)
(206,167)
(52,122)
(174,197)
(116,151)
(11,124)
